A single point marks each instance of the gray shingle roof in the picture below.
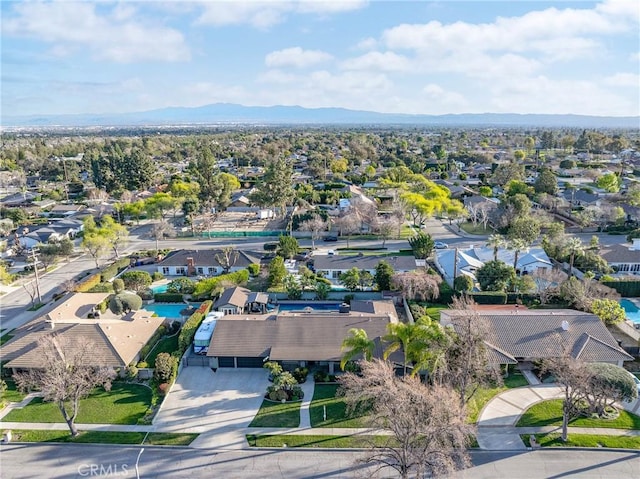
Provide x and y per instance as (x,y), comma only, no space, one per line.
(620,253)
(299,337)
(235,296)
(539,334)
(346,262)
(206,258)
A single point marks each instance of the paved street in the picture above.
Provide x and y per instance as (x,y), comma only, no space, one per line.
(19,461)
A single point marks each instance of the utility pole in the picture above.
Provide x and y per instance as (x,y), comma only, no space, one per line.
(34,255)
(455,264)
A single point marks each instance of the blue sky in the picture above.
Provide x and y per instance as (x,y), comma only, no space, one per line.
(389,56)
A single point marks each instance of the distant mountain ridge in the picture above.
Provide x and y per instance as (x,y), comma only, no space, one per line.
(228,113)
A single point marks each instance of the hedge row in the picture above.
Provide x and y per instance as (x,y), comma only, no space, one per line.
(627,289)
(88,283)
(489,297)
(113,269)
(168,297)
(191,325)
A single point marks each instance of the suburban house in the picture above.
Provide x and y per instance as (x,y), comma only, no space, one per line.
(523,336)
(471,259)
(203,262)
(623,258)
(332,266)
(116,340)
(64,211)
(293,338)
(32,235)
(18,199)
(241,300)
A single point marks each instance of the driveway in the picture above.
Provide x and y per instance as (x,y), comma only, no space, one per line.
(217,404)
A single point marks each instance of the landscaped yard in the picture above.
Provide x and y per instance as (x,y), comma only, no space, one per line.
(549,413)
(167,344)
(12,394)
(276,414)
(325,395)
(280,440)
(585,440)
(484,395)
(477,229)
(124,404)
(104,437)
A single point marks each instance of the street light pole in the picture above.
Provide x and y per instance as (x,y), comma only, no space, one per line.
(34,252)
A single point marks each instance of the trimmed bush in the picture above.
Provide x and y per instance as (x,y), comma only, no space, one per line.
(490,297)
(157,276)
(136,280)
(627,289)
(168,297)
(88,283)
(102,288)
(164,367)
(118,285)
(124,302)
(191,325)
(254,269)
(181,285)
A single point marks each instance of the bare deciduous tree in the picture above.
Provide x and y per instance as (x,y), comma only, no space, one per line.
(386,227)
(417,284)
(429,432)
(69,373)
(227,258)
(547,282)
(159,230)
(347,224)
(315,225)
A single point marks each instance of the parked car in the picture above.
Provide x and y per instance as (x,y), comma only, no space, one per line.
(440,245)
(330,238)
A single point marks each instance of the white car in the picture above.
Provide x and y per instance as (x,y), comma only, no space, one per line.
(440,245)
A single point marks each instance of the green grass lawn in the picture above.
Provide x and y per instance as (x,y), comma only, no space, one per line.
(584,440)
(484,395)
(476,229)
(549,413)
(325,395)
(279,440)
(275,414)
(167,344)
(101,437)
(5,337)
(124,404)
(433,311)
(12,394)
(170,439)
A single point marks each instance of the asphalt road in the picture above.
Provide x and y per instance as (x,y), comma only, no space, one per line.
(19,461)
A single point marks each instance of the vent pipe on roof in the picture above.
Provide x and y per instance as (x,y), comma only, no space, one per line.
(565,325)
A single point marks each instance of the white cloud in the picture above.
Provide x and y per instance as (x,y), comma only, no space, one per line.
(635,57)
(444,98)
(265,14)
(72,26)
(367,44)
(296,57)
(378,61)
(623,80)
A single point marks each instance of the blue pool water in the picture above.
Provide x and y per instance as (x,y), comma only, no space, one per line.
(313,305)
(167,310)
(633,313)
(161,288)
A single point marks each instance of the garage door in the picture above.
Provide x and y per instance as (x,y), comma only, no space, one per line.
(225,363)
(250,362)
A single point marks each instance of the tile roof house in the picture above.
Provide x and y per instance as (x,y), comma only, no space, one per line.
(293,338)
(241,300)
(334,265)
(117,340)
(203,263)
(531,335)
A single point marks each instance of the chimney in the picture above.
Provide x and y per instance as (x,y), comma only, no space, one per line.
(565,325)
(191,268)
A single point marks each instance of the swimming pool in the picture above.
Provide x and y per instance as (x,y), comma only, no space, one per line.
(168,310)
(632,311)
(311,304)
(161,288)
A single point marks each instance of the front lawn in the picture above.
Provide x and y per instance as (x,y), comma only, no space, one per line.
(124,404)
(167,344)
(484,395)
(100,437)
(325,395)
(477,229)
(170,439)
(549,413)
(6,336)
(12,394)
(277,414)
(280,440)
(584,440)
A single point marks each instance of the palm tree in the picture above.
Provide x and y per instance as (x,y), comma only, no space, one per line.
(356,343)
(413,338)
(517,245)
(496,241)
(575,247)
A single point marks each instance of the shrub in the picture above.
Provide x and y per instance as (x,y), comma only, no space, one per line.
(88,283)
(118,285)
(136,280)
(348,297)
(132,371)
(164,367)
(146,294)
(168,297)
(462,283)
(157,276)
(490,297)
(191,325)
(254,269)
(204,288)
(417,311)
(300,374)
(142,365)
(102,288)
(124,302)
(109,272)
(181,285)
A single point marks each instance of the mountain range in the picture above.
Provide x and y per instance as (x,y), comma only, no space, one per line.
(233,114)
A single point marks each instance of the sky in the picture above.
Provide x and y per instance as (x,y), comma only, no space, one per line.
(421,57)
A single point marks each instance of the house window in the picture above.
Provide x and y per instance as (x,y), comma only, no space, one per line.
(181,270)
(211,271)
(200,270)
(165,270)
(335,274)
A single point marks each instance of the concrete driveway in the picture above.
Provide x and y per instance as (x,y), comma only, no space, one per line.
(213,403)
